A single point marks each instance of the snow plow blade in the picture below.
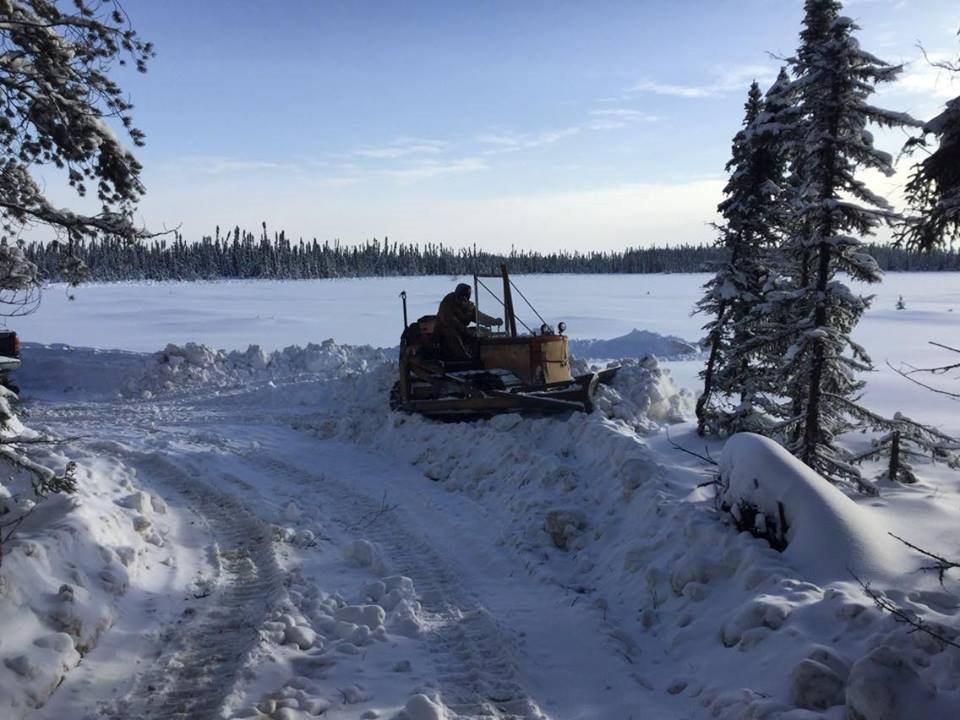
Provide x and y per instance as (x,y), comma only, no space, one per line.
(575,396)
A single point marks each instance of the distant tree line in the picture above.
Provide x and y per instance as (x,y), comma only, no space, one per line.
(241,255)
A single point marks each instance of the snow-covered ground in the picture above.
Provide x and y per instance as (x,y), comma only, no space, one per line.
(256,535)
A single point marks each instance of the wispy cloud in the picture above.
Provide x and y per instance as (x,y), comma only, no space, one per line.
(724,80)
(507,141)
(618,117)
(429,169)
(402,147)
(222,165)
(925,79)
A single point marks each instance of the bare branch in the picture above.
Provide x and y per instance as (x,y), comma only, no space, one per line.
(705,458)
(942,566)
(902,615)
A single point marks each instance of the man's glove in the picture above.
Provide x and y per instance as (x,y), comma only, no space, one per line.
(498,322)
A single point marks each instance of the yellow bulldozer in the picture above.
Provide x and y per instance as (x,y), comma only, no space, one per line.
(506,371)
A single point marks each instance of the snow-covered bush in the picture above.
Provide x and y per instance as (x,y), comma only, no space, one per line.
(25,483)
(824,532)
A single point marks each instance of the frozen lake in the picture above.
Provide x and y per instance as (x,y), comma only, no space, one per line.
(273,314)
(234,314)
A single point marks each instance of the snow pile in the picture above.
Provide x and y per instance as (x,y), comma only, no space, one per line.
(636,344)
(64,571)
(196,366)
(327,637)
(829,536)
(54,371)
(749,632)
(644,396)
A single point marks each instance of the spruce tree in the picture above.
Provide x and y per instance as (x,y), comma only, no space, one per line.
(753,214)
(835,78)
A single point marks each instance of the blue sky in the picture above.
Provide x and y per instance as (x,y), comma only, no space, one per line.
(540,124)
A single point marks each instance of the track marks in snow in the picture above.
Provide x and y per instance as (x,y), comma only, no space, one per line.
(206,649)
(471,652)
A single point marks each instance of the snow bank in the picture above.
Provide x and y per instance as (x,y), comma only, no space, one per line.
(830,537)
(179,368)
(636,344)
(65,372)
(748,632)
(64,572)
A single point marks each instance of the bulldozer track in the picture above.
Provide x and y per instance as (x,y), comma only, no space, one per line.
(470,650)
(206,651)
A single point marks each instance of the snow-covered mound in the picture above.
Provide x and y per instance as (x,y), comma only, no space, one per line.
(61,371)
(196,366)
(829,536)
(644,395)
(66,566)
(591,507)
(635,344)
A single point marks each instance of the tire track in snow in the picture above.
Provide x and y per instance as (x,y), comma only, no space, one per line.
(469,649)
(201,661)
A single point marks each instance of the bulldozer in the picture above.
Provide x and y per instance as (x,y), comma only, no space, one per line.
(507,372)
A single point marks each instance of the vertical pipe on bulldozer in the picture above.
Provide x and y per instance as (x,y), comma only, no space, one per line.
(511,318)
(403,297)
(476,300)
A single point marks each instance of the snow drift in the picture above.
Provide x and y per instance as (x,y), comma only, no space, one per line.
(830,537)
(179,368)
(635,344)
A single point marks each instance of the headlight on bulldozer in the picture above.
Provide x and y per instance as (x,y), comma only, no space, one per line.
(561,327)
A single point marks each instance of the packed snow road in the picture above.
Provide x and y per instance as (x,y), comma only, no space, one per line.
(470,630)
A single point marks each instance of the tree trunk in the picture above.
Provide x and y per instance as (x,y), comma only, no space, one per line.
(811,432)
(702,401)
(894,468)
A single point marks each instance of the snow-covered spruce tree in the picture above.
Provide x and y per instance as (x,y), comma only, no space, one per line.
(835,78)
(905,440)
(55,57)
(933,190)
(753,216)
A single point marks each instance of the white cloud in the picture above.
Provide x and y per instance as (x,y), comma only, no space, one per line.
(601,218)
(725,79)
(618,117)
(925,79)
(222,165)
(685,91)
(508,141)
(429,169)
(402,147)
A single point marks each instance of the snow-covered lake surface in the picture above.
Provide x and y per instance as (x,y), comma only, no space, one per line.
(232,315)
(273,314)
(255,534)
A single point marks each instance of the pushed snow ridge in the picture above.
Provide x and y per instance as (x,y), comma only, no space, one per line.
(636,344)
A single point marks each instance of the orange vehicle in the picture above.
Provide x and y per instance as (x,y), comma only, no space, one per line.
(507,371)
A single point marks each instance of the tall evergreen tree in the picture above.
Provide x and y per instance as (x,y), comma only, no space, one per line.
(835,78)
(753,214)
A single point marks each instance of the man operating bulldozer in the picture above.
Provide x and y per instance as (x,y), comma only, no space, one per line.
(453,320)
